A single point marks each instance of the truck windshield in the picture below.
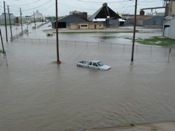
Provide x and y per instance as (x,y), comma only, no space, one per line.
(100,63)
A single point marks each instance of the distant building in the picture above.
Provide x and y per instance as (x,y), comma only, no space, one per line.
(170,8)
(67,20)
(154,21)
(169,28)
(12,17)
(87,25)
(105,12)
(37,16)
(75,22)
(144,20)
(102,18)
(28,19)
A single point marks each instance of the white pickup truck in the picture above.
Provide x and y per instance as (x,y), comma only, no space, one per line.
(96,64)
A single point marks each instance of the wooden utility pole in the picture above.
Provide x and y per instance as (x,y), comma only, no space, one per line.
(57,40)
(166,8)
(21,20)
(34,20)
(133,41)
(10,23)
(5,22)
(3,50)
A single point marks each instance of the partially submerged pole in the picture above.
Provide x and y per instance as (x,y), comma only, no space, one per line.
(5,22)
(57,40)
(10,23)
(133,41)
(3,50)
(21,20)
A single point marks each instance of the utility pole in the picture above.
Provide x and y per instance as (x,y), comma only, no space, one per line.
(21,20)
(3,50)
(5,22)
(10,23)
(166,8)
(34,19)
(57,41)
(133,41)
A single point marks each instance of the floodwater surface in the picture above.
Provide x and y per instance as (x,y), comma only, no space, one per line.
(38,95)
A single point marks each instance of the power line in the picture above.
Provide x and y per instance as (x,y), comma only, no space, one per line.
(37,6)
(27,3)
(100,1)
(14,9)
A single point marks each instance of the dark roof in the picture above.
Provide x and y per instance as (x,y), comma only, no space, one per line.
(103,12)
(72,19)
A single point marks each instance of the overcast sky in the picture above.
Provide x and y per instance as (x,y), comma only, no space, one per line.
(47,7)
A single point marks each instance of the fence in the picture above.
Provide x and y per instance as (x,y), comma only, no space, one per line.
(168,52)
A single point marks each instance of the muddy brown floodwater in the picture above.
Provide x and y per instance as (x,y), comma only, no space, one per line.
(38,95)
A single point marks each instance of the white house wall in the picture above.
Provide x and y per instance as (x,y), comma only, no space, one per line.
(170,31)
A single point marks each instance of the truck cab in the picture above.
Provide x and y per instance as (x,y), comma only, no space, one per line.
(93,64)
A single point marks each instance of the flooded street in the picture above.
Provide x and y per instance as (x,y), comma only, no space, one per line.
(38,95)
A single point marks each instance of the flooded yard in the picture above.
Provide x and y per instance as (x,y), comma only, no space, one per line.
(38,95)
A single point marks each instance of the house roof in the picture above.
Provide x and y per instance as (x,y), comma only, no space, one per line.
(72,19)
(167,20)
(104,12)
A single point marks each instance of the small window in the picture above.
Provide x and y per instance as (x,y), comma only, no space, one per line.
(83,25)
(94,64)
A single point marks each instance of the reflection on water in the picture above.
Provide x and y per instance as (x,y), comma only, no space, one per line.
(102,38)
(38,95)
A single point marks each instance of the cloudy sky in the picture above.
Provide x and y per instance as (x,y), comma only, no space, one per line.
(47,7)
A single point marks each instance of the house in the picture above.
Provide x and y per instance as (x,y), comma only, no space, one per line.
(169,28)
(67,20)
(74,22)
(28,18)
(37,17)
(87,25)
(102,18)
(105,12)
(12,17)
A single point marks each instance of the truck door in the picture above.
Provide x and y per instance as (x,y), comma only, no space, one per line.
(90,64)
(95,66)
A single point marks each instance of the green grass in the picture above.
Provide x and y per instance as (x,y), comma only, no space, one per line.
(154,129)
(0,51)
(159,41)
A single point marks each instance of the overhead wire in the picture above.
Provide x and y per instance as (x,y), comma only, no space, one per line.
(38,6)
(29,9)
(26,3)
(99,1)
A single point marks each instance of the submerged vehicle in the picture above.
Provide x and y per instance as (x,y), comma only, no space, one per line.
(95,64)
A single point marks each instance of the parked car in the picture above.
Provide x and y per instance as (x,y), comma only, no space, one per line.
(96,64)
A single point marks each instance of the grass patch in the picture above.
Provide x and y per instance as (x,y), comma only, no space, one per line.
(159,41)
(0,51)
(153,129)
